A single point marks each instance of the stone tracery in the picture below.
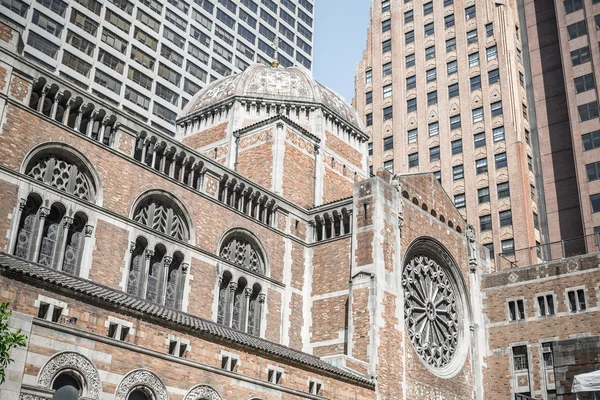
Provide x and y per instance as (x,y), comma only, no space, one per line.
(76,362)
(202,392)
(142,379)
(431,311)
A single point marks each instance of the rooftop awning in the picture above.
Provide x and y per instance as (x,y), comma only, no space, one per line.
(588,382)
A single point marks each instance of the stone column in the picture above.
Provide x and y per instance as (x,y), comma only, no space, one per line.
(57,98)
(229,304)
(15,226)
(67,112)
(245,308)
(90,125)
(162,287)
(40,105)
(259,313)
(103,125)
(144,273)
(66,222)
(44,212)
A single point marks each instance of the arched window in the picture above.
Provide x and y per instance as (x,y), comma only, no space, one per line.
(240,249)
(240,305)
(138,394)
(66,387)
(50,235)
(156,276)
(27,226)
(63,171)
(162,214)
(136,266)
(74,244)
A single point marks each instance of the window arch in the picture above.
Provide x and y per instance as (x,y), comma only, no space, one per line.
(66,387)
(141,384)
(61,168)
(161,213)
(155,275)
(239,247)
(50,236)
(240,304)
(72,374)
(202,392)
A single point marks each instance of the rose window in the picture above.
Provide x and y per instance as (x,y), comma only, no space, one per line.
(430,311)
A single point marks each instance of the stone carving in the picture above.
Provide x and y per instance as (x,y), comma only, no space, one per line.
(278,82)
(430,311)
(471,248)
(242,253)
(63,175)
(202,392)
(214,93)
(144,380)
(163,218)
(68,360)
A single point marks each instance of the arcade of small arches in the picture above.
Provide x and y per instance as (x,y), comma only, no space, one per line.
(73,111)
(433,212)
(70,375)
(332,224)
(247,200)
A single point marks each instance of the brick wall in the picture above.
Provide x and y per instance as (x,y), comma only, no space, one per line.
(335,186)
(110,252)
(297,163)
(344,150)
(8,206)
(204,138)
(256,163)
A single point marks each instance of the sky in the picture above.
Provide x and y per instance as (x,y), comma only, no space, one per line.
(340,38)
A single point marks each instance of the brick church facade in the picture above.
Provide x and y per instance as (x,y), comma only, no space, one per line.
(251,257)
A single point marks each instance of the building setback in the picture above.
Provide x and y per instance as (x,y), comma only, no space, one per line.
(149,57)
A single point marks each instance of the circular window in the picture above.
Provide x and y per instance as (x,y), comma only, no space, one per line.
(433,312)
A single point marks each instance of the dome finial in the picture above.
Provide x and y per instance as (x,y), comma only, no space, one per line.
(275,62)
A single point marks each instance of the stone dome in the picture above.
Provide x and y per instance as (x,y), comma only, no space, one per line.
(259,81)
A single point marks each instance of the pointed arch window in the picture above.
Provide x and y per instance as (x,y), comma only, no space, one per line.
(27,226)
(50,235)
(74,244)
(243,251)
(63,172)
(240,304)
(163,215)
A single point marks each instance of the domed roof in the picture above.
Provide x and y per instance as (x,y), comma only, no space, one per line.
(265,82)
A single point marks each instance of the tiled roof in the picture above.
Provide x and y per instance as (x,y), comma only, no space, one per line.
(204,328)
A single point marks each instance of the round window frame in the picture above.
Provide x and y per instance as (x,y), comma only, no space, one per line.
(434,250)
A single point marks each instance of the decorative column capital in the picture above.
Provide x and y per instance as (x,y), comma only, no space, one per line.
(261,298)
(233,286)
(167,260)
(89,229)
(131,247)
(185,267)
(149,253)
(67,222)
(248,291)
(44,212)
(22,204)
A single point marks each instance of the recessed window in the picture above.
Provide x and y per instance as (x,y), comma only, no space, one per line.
(411,82)
(386,46)
(577,29)
(429,29)
(580,56)
(508,247)
(409,16)
(505,217)
(389,165)
(453,91)
(546,305)
(434,153)
(483,195)
(595,202)
(452,67)
(368,76)
(489,29)
(49,312)
(118,331)
(274,376)
(591,140)
(449,21)
(584,83)
(387,91)
(370,148)
(448,3)
(431,75)
(428,8)
(369,119)
(573,5)
(433,129)
(472,36)
(516,310)
(576,300)
(438,175)
(315,387)
(413,136)
(490,247)
(177,347)
(455,122)
(520,358)
(385,5)
(536,221)
(485,223)
(479,139)
(409,37)
(491,53)
(388,113)
(432,98)
(470,13)
(478,117)
(459,201)
(588,111)
(451,45)
(475,82)
(548,361)
(481,166)
(369,97)
(473,60)
(500,159)
(388,144)
(411,105)
(413,160)
(503,190)
(498,134)
(494,76)
(458,172)
(410,60)
(386,25)
(430,53)
(496,108)
(387,69)
(457,146)
(229,361)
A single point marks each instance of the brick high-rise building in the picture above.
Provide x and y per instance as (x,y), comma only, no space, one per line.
(149,57)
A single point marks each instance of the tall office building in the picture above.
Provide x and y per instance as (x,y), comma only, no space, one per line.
(149,57)
(442,88)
